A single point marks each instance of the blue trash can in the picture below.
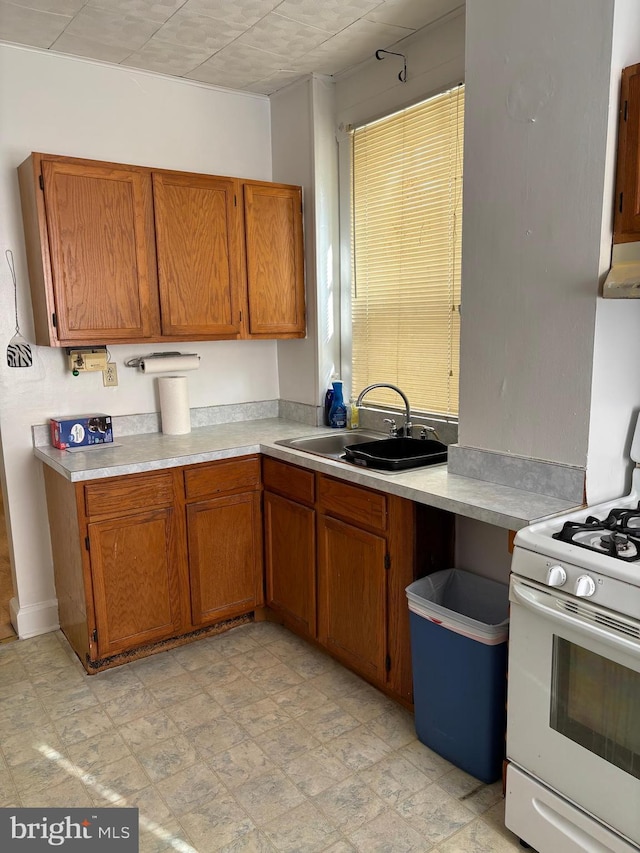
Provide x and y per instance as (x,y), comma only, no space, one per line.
(459,627)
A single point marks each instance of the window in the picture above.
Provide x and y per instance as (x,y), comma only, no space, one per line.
(406,226)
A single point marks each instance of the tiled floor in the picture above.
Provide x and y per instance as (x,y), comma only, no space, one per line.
(248,741)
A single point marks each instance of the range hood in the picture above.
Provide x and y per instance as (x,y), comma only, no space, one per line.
(623,279)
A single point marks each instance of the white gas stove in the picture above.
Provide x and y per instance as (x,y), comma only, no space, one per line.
(573,725)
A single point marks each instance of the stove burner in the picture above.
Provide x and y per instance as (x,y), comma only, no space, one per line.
(617,536)
(617,541)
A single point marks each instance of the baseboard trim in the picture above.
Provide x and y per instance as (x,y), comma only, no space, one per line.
(34,619)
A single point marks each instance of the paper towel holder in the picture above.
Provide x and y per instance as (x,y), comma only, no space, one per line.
(140,359)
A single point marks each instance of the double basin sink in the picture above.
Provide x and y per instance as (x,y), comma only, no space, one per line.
(372,449)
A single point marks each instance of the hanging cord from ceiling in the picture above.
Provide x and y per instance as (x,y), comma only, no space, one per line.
(402,76)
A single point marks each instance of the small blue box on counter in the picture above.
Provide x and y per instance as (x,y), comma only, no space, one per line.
(80,430)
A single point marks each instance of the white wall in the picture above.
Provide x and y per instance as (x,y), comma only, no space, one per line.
(64,105)
(305,152)
(615,392)
(536,119)
(292,149)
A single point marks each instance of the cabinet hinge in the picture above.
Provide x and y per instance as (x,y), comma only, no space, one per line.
(54,321)
(87,544)
(620,203)
(41,182)
(387,663)
(387,561)
(626,110)
(94,635)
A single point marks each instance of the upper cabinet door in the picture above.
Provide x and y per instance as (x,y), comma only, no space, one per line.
(198,247)
(627,210)
(100,228)
(275,260)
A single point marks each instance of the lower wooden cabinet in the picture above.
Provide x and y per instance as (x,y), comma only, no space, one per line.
(225,557)
(144,558)
(338,558)
(136,590)
(290,544)
(352,596)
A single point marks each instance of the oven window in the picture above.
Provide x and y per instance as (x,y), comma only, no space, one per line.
(596,703)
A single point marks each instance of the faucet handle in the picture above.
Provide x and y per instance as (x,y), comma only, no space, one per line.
(425,430)
(393,427)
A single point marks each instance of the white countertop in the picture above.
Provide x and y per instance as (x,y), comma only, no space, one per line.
(493,503)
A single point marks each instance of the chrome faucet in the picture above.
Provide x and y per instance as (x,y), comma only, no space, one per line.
(407,409)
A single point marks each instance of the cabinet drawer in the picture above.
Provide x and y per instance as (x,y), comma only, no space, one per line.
(353,503)
(128,494)
(204,480)
(289,480)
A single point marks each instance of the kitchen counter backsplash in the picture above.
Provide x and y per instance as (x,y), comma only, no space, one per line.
(206,416)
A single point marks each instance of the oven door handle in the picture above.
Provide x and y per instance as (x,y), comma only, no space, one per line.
(537,601)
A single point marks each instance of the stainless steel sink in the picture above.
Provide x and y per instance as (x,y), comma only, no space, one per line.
(372,449)
(333,444)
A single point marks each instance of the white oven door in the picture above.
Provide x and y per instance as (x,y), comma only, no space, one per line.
(573,712)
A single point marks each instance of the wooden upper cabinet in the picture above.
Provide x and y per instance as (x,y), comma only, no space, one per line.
(199,250)
(627,210)
(91,251)
(274,259)
(128,254)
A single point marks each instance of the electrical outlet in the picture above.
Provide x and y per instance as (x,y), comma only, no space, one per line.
(110,375)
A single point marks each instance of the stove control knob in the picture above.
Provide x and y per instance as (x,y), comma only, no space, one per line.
(585,586)
(556,576)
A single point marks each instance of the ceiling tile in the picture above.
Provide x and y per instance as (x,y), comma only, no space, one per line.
(79,46)
(330,15)
(238,61)
(166,58)
(283,36)
(271,84)
(413,14)
(195,30)
(58,7)
(242,12)
(30,26)
(152,10)
(112,28)
(231,78)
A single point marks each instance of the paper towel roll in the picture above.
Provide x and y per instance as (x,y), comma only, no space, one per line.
(174,405)
(169,363)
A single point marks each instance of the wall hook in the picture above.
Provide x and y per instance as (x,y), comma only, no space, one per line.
(402,76)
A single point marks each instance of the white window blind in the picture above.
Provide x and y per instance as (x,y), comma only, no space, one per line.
(406,207)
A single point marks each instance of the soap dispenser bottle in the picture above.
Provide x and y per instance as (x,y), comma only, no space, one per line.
(328,400)
(338,413)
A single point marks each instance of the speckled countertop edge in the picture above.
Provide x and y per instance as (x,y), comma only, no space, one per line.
(493,503)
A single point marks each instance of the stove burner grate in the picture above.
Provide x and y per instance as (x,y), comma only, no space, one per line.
(617,536)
